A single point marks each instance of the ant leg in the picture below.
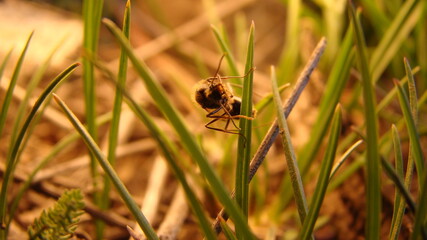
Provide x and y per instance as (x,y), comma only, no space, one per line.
(210,114)
(250,70)
(219,129)
(225,130)
(242,116)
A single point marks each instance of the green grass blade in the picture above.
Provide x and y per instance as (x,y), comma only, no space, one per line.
(396,34)
(335,85)
(228,233)
(92,10)
(226,49)
(376,15)
(396,221)
(117,107)
(29,89)
(4,63)
(388,169)
(245,139)
(372,157)
(65,142)
(290,53)
(297,186)
(412,91)
(412,132)
(344,157)
(186,137)
(421,215)
(169,151)
(14,150)
(267,99)
(323,180)
(12,84)
(125,195)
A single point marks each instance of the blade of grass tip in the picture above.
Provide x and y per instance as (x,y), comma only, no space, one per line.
(344,157)
(12,159)
(323,180)
(291,160)
(412,131)
(372,157)
(226,49)
(117,106)
(413,98)
(125,195)
(188,141)
(245,137)
(272,133)
(12,84)
(4,63)
(168,149)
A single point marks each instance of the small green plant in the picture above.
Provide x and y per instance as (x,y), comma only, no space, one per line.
(61,221)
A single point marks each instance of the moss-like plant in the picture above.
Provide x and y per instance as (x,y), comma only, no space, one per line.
(61,221)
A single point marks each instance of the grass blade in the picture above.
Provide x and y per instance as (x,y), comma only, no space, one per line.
(92,11)
(325,172)
(399,184)
(297,186)
(344,157)
(117,107)
(421,215)
(12,84)
(267,99)
(226,49)
(393,38)
(335,85)
(65,142)
(125,195)
(372,156)
(245,139)
(4,63)
(186,137)
(412,131)
(13,159)
(29,89)
(290,55)
(169,151)
(272,133)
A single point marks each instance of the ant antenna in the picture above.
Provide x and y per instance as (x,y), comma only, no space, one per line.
(219,65)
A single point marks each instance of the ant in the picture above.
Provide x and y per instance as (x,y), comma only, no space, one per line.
(213,95)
